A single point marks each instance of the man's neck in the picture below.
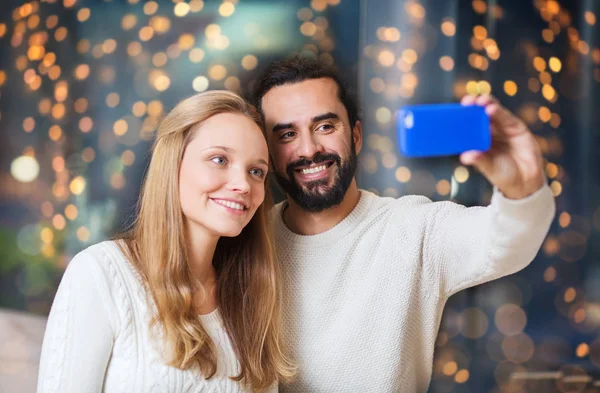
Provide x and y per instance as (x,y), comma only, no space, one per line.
(306,223)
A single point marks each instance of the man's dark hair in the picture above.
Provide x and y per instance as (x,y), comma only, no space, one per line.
(298,69)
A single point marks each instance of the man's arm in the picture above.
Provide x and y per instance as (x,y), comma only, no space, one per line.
(472,245)
(514,163)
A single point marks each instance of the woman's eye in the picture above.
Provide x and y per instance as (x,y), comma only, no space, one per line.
(220,160)
(257,172)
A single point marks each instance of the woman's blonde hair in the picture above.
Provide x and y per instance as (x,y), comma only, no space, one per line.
(248,290)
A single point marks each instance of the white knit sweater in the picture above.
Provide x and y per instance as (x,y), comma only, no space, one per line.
(98,338)
(364,299)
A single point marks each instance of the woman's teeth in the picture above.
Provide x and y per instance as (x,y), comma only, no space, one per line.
(232,205)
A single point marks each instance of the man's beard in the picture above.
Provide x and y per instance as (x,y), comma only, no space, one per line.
(310,198)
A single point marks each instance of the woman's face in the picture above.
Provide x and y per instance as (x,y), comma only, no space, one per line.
(222,175)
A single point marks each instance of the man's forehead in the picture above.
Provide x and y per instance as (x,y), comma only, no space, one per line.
(323,89)
(302,101)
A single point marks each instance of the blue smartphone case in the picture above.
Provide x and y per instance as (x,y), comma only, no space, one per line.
(442,130)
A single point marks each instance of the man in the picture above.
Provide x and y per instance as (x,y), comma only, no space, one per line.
(366,278)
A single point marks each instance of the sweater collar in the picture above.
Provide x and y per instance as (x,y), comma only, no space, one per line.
(350,222)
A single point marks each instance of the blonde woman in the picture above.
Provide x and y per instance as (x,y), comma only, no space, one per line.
(188,300)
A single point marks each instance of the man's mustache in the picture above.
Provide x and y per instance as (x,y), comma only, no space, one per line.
(316,159)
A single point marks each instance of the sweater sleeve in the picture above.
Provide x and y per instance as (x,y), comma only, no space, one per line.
(470,246)
(80,331)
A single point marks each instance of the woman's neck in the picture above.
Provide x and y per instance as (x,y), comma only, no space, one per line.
(200,252)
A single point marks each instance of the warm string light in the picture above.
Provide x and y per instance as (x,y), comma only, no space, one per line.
(92,102)
(148,36)
(392,80)
(151,38)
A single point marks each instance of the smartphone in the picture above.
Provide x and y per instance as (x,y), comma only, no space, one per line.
(442,130)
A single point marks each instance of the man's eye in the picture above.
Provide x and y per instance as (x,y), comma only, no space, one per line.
(287,135)
(326,127)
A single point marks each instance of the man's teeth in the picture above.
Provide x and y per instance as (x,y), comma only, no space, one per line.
(316,169)
(229,204)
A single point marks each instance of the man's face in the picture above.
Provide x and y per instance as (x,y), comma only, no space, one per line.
(312,144)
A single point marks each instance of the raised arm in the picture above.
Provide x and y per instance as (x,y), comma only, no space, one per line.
(474,245)
(470,246)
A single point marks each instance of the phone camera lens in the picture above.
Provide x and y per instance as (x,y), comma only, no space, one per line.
(408,120)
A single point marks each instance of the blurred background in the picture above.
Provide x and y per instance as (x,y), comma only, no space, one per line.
(84,84)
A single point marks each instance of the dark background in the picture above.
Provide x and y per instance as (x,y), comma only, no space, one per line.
(83,86)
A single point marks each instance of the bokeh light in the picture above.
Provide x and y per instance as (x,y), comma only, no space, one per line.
(25,169)
(86,84)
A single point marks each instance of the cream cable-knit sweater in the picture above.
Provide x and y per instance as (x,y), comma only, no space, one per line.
(98,338)
(365,299)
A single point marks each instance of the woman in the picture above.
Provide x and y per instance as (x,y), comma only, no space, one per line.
(188,300)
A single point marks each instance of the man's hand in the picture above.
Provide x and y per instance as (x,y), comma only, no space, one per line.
(514,164)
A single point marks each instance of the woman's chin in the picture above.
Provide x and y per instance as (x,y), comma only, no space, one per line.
(229,232)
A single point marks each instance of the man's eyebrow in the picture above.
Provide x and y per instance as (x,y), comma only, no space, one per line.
(325,116)
(282,126)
